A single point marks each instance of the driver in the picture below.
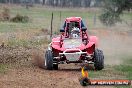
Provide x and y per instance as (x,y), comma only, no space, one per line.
(75,32)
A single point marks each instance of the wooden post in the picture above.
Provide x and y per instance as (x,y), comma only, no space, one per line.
(43,3)
(60,16)
(51,25)
(94,19)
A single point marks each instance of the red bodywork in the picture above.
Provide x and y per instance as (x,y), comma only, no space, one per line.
(85,44)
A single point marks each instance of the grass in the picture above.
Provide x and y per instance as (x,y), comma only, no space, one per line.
(40,18)
(27,43)
(126,67)
(123,71)
(108,73)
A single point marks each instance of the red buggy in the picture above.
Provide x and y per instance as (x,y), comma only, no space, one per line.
(74,45)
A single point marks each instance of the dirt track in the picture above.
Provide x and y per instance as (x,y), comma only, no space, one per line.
(30,76)
(34,77)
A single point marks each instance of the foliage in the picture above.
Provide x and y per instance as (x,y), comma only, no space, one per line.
(112,9)
(20,18)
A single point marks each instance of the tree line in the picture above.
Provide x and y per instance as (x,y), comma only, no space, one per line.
(59,3)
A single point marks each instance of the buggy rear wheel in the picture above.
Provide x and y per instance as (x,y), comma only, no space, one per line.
(98,59)
(49,60)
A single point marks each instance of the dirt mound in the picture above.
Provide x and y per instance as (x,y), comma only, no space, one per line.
(22,56)
(14,54)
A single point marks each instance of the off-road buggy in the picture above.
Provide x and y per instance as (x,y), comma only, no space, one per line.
(74,45)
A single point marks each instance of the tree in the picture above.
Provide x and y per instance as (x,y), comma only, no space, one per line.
(112,9)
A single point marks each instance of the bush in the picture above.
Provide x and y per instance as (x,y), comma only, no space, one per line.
(112,10)
(20,18)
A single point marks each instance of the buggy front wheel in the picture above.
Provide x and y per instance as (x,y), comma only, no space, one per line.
(98,59)
(49,60)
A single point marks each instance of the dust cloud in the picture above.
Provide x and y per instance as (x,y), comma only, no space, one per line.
(116,46)
(38,57)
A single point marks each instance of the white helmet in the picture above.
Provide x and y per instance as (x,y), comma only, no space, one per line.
(75,32)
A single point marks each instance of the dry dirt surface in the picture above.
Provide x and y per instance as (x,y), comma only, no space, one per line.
(34,76)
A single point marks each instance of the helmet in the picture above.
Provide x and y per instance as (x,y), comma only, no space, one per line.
(75,32)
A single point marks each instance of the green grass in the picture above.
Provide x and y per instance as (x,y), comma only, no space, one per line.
(123,71)
(118,71)
(108,73)
(40,18)
(126,67)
